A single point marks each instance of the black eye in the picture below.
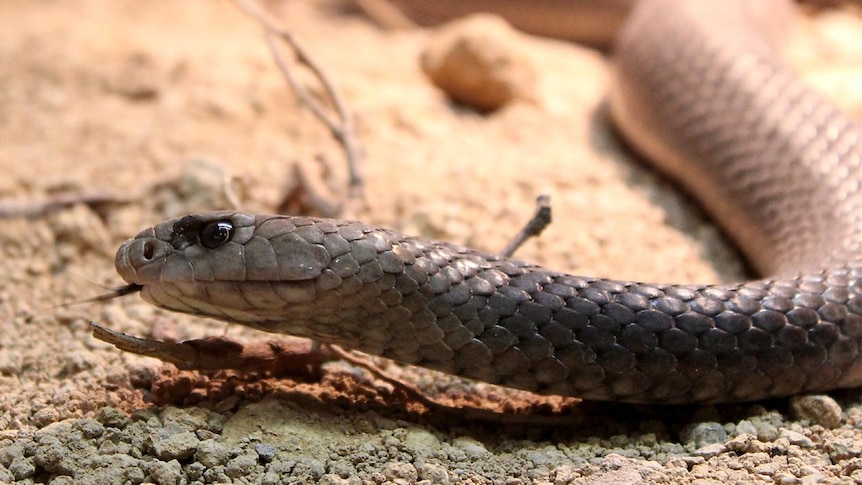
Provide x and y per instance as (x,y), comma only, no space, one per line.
(216,234)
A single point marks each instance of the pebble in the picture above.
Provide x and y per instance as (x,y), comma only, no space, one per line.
(5,475)
(746,443)
(266,453)
(177,446)
(112,417)
(89,428)
(165,473)
(796,438)
(309,469)
(44,417)
(242,465)
(477,63)
(818,409)
(841,449)
(22,468)
(709,451)
(766,431)
(470,447)
(423,441)
(745,427)
(702,434)
(400,470)
(433,473)
(332,479)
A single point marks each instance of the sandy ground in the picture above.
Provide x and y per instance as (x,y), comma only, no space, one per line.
(155,102)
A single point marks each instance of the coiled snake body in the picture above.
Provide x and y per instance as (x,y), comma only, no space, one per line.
(700,93)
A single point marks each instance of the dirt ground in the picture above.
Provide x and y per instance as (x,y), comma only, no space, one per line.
(155,103)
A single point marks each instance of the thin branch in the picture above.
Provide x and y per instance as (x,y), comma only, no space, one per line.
(341,126)
(277,358)
(215,353)
(33,208)
(384,14)
(534,227)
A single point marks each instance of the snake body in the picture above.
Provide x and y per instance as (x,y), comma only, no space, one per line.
(702,95)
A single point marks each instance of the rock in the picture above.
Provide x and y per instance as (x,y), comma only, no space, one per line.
(476,62)
(819,409)
(470,447)
(265,452)
(702,434)
(175,446)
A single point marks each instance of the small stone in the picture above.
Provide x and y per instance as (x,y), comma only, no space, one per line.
(211,453)
(702,434)
(766,431)
(746,443)
(216,475)
(112,417)
(709,451)
(433,473)
(189,419)
(5,475)
(55,458)
(332,479)
(470,447)
(265,452)
(22,468)
(90,428)
(421,441)
(309,469)
(840,449)
(745,427)
(195,470)
(476,62)
(64,480)
(9,453)
(818,409)
(44,417)
(795,438)
(242,465)
(402,471)
(165,473)
(176,446)
(784,478)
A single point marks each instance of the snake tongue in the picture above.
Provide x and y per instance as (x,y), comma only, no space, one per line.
(114,293)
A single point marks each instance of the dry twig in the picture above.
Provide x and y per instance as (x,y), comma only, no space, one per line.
(534,227)
(33,208)
(384,14)
(341,125)
(216,353)
(276,358)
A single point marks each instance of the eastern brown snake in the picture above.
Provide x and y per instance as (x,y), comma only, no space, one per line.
(702,95)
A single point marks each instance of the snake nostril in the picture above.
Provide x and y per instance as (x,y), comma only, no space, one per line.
(149,250)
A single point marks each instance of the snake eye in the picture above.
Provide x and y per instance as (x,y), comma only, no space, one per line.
(216,234)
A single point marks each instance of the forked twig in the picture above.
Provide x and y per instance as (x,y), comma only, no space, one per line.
(341,125)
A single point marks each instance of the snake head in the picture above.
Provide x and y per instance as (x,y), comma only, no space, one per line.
(222,246)
(259,270)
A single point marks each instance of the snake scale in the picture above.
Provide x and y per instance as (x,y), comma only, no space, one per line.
(699,90)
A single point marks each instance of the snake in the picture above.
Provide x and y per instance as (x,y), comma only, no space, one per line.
(700,89)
